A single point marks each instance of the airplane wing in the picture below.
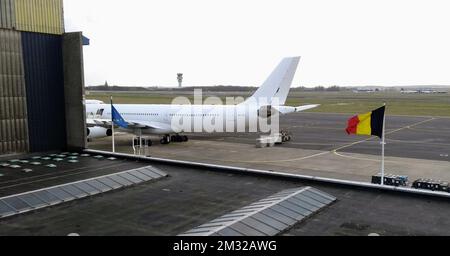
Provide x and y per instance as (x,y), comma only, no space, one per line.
(306,107)
(287,109)
(131,124)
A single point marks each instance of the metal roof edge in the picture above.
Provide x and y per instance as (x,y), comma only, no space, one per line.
(279,174)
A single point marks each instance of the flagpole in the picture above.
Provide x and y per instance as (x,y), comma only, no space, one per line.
(112,127)
(383,143)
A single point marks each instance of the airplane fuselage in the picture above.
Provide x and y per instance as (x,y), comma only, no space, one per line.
(184,118)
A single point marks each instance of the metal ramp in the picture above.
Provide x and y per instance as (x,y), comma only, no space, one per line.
(30,201)
(269,216)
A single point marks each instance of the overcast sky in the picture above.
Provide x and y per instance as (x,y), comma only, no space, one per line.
(239,42)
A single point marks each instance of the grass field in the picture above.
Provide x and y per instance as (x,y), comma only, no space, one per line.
(331,102)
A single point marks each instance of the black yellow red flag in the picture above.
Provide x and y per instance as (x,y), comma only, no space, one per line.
(367,124)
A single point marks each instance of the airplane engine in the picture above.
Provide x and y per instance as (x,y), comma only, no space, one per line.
(267,111)
(98,132)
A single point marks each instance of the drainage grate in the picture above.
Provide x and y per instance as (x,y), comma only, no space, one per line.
(29,201)
(267,217)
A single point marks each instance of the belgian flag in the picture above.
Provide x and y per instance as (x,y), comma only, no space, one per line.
(367,124)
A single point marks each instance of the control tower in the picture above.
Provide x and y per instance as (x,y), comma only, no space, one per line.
(180,79)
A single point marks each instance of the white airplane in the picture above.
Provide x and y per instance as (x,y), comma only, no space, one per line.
(165,119)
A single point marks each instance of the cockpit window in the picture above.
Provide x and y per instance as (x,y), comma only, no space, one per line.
(100,112)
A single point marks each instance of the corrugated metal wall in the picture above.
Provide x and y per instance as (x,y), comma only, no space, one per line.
(43,16)
(13,108)
(32,93)
(43,65)
(7,14)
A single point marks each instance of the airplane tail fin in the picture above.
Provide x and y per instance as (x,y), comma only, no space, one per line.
(277,85)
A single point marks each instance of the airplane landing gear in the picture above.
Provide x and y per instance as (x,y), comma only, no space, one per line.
(166,139)
(178,138)
(285,137)
(174,138)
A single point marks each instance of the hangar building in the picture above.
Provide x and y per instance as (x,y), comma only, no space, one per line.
(41,79)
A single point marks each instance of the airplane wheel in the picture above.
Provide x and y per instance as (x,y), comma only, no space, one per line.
(185,138)
(177,138)
(165,140)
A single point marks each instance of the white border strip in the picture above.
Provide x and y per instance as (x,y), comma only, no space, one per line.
(278,174)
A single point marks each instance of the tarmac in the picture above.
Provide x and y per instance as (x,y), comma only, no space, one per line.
(406,136)
(418,147)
